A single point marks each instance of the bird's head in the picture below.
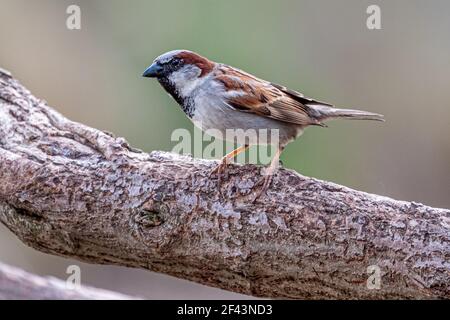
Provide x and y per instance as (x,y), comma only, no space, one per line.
(180,69)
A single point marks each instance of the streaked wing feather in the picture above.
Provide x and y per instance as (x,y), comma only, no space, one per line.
(250,94)
(300,96)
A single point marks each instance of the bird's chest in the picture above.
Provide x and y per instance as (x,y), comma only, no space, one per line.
(187,104)
(211,114)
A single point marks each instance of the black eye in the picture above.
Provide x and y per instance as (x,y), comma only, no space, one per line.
(169,66)
(175,62)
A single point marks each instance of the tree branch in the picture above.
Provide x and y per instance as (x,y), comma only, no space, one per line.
(16,284)
(71,190)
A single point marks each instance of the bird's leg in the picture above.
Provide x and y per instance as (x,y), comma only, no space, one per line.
(227,159)
(269,172)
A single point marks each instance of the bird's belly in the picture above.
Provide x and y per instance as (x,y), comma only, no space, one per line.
(222,122)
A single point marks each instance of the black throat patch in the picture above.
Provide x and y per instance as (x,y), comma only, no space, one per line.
(186,104)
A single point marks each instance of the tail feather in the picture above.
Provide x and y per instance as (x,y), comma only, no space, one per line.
(322,112)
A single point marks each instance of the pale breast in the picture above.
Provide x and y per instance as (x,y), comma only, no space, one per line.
(223,122)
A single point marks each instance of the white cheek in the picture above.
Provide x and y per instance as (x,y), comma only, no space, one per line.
(187,80)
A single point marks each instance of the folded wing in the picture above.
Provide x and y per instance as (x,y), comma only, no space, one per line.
(247,93)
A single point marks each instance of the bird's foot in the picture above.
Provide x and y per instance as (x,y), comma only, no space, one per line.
(265,182)
(220,170)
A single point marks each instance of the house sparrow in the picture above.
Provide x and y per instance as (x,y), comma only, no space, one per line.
(219,97)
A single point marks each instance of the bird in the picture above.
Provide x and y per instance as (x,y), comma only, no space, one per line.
(218,98)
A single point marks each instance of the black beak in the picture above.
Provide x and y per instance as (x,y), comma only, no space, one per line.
(153,71)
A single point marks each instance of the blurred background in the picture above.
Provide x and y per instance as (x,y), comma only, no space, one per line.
(321,48)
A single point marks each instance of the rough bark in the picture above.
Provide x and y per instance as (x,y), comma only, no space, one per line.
(74,191)
(16,284)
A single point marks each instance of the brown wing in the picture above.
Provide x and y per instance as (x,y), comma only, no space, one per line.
(247,93)
(300,96)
